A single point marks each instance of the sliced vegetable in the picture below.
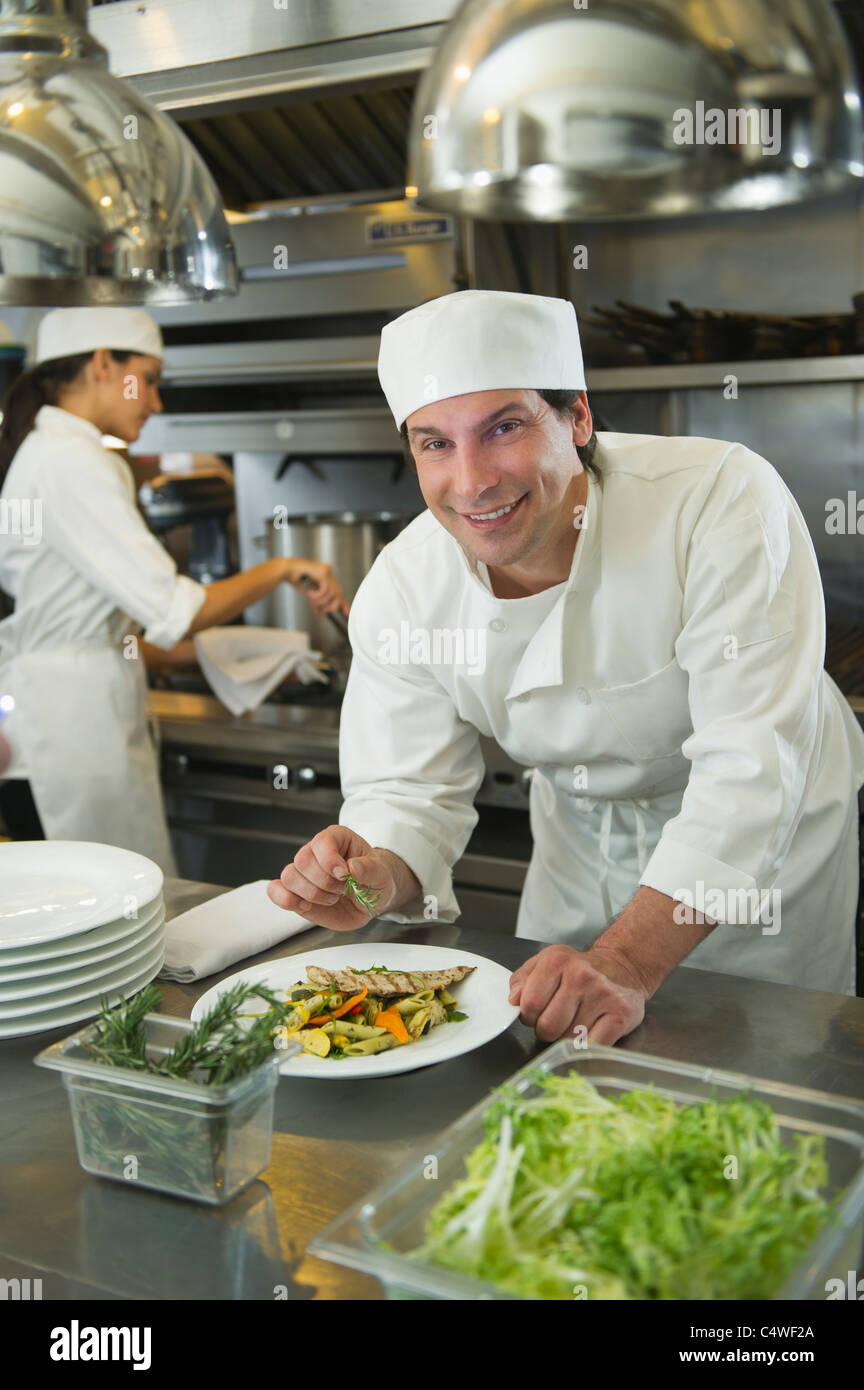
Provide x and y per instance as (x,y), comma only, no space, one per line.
(313,1039)
(392,1021)
(297,1018)
(350,1006)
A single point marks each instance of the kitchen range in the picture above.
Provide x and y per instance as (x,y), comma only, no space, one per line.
(430,852)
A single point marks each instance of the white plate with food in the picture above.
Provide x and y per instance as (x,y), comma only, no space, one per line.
(481,994)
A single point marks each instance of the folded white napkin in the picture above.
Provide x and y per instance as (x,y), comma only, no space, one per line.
(244,664)
(226,929)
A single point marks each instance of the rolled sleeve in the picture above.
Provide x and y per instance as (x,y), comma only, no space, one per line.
(410,766)
(90,519)
(752,643)
(168,628)
(677,870)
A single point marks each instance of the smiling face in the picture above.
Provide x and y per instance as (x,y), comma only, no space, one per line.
(500,471)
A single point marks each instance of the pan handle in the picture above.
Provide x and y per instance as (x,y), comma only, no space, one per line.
(339,621)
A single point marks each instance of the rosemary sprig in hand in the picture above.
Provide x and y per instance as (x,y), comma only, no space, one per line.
(366,897)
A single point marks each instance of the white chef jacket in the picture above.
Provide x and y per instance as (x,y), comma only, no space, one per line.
(670,696)
(78,729)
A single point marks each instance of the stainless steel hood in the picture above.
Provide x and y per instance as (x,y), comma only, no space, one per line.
(102,198)
(289,363)
(301,101)
(304,100)
(540,110)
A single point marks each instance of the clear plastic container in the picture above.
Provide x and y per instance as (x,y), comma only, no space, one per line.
(205,1142)
(396,1212)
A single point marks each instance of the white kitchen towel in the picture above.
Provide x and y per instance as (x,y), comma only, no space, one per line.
(244,664)
(226,929)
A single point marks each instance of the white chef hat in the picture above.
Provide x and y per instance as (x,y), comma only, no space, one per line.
(479,340)
(66,332)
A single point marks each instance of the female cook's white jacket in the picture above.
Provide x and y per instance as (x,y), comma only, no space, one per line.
(83,565)
(670,697)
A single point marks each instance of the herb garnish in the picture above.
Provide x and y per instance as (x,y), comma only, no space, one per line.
(366,897)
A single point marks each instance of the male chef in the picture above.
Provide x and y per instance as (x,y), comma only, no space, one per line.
(645,625)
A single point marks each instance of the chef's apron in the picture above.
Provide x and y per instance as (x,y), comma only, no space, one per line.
(80,719)
(589,855)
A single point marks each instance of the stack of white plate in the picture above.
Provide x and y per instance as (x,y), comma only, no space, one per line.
(78,921)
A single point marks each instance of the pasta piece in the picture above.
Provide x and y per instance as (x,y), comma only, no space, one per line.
(428,1016)
(354,1031)
(310,1006)
(413,1002)
(370,1045)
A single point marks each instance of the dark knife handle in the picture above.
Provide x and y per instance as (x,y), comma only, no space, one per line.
(339,621)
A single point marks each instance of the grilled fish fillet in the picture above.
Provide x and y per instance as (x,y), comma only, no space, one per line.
(387,981)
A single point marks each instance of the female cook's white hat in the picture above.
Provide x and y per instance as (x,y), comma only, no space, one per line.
(65,332)
(479,340)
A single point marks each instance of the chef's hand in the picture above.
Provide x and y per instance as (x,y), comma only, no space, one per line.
(327,596)
(314,884)
(560,989)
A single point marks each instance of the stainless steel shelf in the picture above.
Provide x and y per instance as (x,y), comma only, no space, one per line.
(698,375)
(206,363)
(364,430)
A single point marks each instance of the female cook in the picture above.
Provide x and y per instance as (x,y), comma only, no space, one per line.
(79,563)
(648,636)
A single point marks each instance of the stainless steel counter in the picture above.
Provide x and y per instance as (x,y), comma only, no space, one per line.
(88,1238)
(203,721)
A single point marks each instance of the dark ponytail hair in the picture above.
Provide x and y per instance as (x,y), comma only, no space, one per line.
(27,395)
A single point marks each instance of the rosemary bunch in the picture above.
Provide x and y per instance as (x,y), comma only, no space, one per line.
(366,897)
(119,1038)
(183,1147)
(218,1045)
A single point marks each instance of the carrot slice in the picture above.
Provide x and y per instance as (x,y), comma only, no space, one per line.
(391,1019)
(343,1009)
(351,1003)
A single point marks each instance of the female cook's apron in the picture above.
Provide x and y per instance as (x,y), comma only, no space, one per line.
(589,855)
(80,719)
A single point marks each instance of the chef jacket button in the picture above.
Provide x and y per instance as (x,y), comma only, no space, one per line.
(498,625)
(582,696)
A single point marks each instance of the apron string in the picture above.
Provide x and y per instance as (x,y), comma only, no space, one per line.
(639,804)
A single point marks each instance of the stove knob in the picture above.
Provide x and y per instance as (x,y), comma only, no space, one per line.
(306,777)
(180,762)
